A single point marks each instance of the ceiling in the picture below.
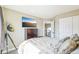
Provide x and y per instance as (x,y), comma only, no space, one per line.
(46,11)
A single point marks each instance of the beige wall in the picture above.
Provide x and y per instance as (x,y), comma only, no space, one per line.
(14,18)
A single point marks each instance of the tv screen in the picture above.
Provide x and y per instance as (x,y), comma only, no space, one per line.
(28,22)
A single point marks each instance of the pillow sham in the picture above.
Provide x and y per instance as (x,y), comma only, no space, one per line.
(67,47)
(58,45)
(75,37)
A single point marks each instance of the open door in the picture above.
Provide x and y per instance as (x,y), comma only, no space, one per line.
(48,29)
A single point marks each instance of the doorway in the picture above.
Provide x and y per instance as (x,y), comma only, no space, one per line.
(48,29)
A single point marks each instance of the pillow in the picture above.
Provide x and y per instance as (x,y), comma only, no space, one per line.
(67,47)
(58,45)
(78,43)
(76,51)
(75,37)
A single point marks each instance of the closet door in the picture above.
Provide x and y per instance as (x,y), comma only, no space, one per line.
(65,27)
(76,25)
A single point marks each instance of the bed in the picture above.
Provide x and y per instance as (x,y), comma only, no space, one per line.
(47,45)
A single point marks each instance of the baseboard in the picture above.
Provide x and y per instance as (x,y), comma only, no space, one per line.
(9,50)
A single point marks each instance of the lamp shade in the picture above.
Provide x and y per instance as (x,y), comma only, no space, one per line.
(10,28)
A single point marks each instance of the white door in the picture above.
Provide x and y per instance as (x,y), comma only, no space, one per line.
(76,25)
(65,27)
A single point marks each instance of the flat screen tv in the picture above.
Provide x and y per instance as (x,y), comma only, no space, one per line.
(28,22)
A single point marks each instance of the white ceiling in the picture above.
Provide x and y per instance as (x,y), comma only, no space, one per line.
(47,11)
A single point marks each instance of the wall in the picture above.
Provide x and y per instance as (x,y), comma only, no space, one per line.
(40,27)
(1,30)
(14,18)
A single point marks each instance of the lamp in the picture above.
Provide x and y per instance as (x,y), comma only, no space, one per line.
(11,29)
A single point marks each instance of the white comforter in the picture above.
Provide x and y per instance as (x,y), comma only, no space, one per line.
(41,45)
(36,46)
